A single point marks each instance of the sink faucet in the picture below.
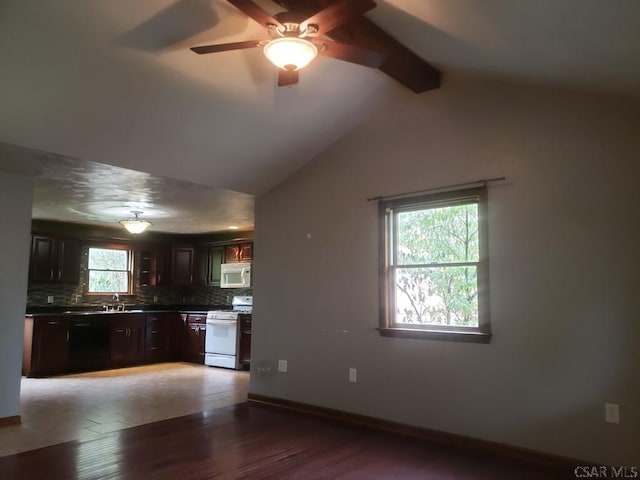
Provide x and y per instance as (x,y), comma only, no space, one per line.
(115,305)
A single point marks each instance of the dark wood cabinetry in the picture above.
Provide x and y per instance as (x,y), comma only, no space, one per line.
(242,252)
(155,267)
(244,351)
(46,346)
(148,268)
(163,266)
(54,260)
(215,257)
(178,334)
(162,260)
(127,335)
(55,345)
(198,265)
(157,336)
(190,266)
(183,264)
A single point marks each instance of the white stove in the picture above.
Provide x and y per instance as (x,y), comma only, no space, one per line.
(222,339)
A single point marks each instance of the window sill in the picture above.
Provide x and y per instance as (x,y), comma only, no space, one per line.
(458,336)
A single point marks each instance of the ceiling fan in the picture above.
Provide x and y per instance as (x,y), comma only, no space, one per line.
(295,37)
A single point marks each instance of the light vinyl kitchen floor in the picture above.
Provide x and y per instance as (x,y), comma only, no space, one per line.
(86,405)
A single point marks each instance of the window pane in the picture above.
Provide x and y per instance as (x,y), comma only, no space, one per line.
(438,235)
(437,296)
(107,259)
(109,282)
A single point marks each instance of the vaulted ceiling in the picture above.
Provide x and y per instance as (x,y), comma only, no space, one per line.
(114,82)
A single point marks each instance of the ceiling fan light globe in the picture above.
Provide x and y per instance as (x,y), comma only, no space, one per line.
(290,53)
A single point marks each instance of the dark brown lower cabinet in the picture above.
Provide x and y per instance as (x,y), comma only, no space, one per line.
(178,337)
(245,341)
(55,345)
(46,346)
(127,335)
(157,336)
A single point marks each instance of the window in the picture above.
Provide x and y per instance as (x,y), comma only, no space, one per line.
(109,270)
(434,267)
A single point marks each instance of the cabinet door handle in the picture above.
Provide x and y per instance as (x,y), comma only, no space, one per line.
(51,274)
(59,274)
(54,323)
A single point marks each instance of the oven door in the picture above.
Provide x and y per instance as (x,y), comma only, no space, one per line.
(221,343)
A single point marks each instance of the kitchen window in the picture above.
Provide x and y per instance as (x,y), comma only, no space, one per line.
(434,267)
(109,270)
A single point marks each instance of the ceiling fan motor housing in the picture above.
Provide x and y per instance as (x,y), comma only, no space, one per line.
(297,36)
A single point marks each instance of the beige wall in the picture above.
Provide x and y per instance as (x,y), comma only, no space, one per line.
(16,194)
(564,235)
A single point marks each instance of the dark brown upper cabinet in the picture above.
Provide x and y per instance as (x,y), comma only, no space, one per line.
(242,252)
(54,260)
(183,263)
(190,266)
(215,257)
(155,267)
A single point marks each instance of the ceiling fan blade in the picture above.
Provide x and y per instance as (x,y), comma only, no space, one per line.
(223,47)
(287,77)
(350,53)
(400,63)
(256,12)
(339,12)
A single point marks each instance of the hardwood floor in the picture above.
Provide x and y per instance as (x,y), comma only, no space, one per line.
(260,442)
(88,405)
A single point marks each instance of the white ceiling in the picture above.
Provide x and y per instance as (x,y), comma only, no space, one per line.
(113,81)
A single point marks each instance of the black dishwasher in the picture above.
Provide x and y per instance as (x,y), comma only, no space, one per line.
(89,343)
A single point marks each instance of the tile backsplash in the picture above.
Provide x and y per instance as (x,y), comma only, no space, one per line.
(65,296)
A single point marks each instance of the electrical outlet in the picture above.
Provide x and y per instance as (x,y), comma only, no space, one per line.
(612,413)
(78,298)
(282,366)
(155,299)
(49,298)
(353,375)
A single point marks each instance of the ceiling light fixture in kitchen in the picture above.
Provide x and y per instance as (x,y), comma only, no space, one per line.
(135,225)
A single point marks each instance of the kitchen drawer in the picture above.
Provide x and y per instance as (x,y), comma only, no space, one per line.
(245,322)
(197,318)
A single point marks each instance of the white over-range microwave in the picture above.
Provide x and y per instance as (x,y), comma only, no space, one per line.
(235,275)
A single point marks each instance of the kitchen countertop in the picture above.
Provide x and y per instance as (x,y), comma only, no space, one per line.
(97,310)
